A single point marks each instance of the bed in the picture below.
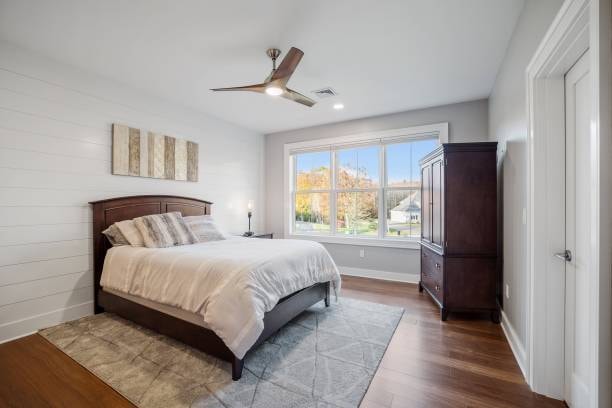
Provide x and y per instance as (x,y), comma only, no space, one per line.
(179,321)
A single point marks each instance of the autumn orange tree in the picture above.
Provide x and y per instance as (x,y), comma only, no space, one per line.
(313,207)
(351,206)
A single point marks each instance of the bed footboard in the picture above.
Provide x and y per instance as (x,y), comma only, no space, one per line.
(290,307)
(286,309)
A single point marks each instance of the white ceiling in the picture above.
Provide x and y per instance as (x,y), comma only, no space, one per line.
(381,56)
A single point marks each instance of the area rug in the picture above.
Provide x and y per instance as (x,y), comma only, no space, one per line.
(326,357)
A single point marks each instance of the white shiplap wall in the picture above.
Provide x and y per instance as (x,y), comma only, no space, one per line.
(55,156)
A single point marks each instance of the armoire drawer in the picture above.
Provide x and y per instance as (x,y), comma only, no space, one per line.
(432,263)
(432,273)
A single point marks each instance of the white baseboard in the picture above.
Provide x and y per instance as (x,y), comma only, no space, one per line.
(30,325)
(515,344)
(376,274)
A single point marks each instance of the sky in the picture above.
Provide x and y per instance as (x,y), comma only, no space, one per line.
(402,159)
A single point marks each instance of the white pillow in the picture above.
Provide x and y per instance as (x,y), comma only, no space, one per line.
(204,227)
(130,232)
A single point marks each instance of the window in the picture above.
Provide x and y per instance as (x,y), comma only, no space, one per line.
(357,188)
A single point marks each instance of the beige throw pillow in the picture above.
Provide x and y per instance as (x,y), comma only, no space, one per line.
(114,235)
(130,232)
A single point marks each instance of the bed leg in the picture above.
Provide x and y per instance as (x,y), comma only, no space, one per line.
(327,293)
(237,365)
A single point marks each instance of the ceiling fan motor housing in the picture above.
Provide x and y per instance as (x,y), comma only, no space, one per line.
(273,53)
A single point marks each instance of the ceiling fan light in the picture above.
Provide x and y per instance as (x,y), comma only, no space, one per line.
(274,90)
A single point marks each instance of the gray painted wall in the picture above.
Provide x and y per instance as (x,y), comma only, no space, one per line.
(468,121)
(508,126)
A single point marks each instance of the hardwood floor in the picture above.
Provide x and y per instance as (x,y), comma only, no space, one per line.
(463,362)
(34,373)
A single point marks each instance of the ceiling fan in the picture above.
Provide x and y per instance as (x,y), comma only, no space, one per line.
(276,83)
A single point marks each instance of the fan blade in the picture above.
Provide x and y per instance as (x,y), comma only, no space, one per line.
(261,88)
(297,97)
(286,68)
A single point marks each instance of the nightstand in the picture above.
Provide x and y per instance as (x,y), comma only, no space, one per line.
(265,235)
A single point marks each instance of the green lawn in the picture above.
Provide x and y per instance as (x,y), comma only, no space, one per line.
(360,227)
(367,228)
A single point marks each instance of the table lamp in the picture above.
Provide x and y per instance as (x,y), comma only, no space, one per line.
(250,206)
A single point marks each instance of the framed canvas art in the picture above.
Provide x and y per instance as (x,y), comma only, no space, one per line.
(142,153)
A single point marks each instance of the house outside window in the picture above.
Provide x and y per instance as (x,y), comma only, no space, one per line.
(361,189)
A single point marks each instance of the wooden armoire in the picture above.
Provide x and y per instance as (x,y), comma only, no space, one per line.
(459,228)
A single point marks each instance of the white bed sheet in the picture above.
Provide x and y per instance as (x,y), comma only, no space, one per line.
(230,283)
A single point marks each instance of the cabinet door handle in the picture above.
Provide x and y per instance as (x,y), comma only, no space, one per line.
(565,255)
(437,265)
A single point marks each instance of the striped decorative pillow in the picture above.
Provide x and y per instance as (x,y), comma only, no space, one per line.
(164,230)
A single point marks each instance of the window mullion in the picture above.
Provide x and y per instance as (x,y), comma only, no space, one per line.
(313,191)
(382,166)
(360,190)
(293,228)
(332,194)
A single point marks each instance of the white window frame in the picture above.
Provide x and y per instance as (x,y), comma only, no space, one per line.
(383,137)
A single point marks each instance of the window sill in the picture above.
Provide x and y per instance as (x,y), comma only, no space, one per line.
(373,242)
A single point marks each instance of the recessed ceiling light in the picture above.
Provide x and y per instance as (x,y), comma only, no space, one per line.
(338,106)
(274,91)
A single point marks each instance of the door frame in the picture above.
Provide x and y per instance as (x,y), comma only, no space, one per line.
(575,29)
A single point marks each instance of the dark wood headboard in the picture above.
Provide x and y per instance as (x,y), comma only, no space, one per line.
(107,212)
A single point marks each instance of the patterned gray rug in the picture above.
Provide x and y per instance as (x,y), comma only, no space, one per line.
(326,357)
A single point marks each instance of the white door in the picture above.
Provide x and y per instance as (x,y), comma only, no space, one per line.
(577,198)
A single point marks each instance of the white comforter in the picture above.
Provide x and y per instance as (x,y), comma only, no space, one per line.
(231,283)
